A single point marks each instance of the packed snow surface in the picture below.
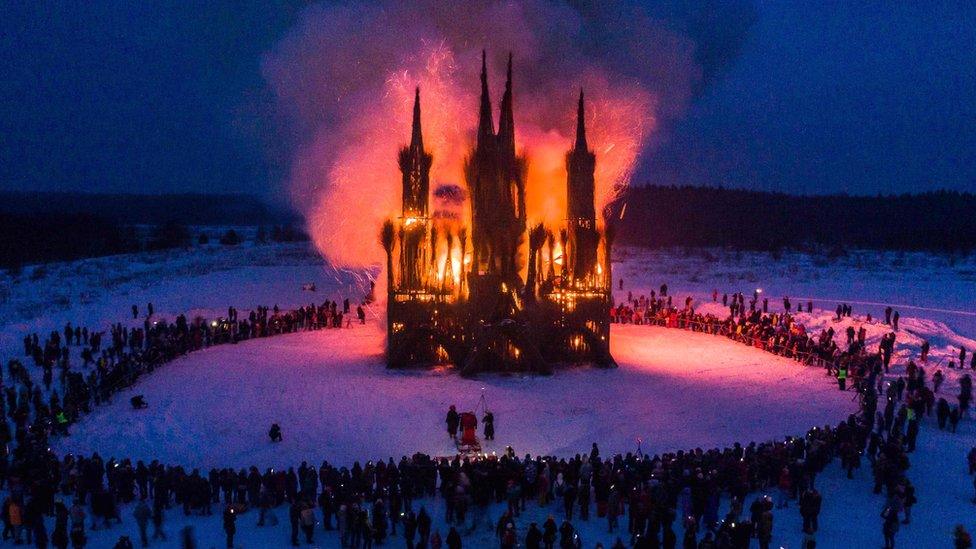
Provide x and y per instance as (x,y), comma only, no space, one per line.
(333,397)
(674,390)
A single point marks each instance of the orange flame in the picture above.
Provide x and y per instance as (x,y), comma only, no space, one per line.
(363,181)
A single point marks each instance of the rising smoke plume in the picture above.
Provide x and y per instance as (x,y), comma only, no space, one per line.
(344,78)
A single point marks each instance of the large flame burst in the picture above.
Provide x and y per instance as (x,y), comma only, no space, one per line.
(362,183)
(344,79)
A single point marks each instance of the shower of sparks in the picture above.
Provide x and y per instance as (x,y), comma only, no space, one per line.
(346,77)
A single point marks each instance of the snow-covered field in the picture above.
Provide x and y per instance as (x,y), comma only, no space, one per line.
(934,288)
(674,389)
(333,399)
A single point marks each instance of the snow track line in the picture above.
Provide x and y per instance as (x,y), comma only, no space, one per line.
(899,305)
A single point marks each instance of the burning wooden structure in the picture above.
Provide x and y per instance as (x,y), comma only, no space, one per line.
(494,294)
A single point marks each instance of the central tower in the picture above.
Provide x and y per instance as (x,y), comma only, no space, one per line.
(495,175)
(460,300)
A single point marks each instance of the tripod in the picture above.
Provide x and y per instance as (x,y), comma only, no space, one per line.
(482,402)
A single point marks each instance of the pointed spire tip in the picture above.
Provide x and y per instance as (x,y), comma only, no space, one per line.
(508,81)
(581,124)
(417,138)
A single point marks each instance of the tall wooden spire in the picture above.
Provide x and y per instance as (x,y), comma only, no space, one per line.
(417,136)
(486,126)
(506,122)
(581,125)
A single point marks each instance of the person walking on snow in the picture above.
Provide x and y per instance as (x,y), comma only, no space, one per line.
(142,515)
(275,433)
(453,420)
(889,525)
(489,423)
(230,525)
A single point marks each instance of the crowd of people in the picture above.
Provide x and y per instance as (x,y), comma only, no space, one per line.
(907,399)
(776,332)
(643,500)
(127,353)
(780,333)
(108,365)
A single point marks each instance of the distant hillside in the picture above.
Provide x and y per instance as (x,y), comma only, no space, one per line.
(43,227)
(656,216)
(147,209)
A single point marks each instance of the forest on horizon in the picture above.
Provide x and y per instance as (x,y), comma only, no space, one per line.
(669,216)
(43,227)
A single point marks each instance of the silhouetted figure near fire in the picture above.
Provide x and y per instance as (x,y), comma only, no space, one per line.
(453,420)
(489,423)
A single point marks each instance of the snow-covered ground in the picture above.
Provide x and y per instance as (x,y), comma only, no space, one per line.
(939,288)
(335,400)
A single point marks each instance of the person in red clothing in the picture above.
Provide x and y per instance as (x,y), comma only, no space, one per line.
(469,426)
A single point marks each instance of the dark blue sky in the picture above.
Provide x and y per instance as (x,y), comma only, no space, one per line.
(860,97)
(857,97)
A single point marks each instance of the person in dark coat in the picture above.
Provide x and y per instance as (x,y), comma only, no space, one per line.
(453,539)
(489,423)
(453,420)
(230,525)
(533,538)
(410,529)
(59,536)
(142,514)
(294,518)
(942,413)
(810,504)
(423,527)
(889,526)
(549,532)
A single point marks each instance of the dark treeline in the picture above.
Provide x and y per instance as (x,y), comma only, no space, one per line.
(45,227)
(40,237)
(658,216)
(148,209)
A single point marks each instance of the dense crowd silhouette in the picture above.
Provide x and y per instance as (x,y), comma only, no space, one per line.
(643,500)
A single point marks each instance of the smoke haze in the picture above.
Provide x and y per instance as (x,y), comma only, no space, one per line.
(344,76)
